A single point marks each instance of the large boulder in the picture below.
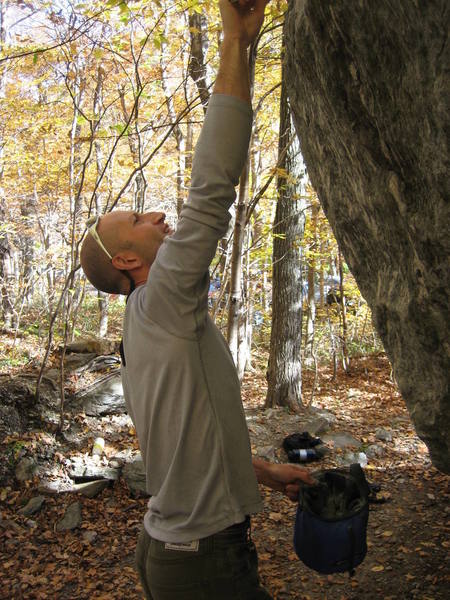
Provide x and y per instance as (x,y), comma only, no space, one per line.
(368,89)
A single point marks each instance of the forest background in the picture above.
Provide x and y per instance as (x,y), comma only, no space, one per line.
(101,104)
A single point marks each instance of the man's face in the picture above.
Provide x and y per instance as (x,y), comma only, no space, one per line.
(142,233)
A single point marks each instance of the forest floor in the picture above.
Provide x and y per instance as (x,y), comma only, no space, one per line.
(407,534)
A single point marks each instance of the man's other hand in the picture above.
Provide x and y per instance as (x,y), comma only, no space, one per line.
(284,478)
(290,477)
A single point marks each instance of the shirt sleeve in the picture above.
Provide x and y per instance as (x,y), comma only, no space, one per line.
(176,292)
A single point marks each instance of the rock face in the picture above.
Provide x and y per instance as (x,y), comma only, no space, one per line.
(368,89)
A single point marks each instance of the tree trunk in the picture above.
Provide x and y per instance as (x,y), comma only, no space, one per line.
(311,299)
(284,372)
(236,296)
(103,303)
(368,88)
(8,252)
(235,312)
(199,46)
(102,298)
(343,315)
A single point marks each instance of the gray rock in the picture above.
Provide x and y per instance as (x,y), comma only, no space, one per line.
(87,468)
(26,469)
(10,421)
(134,476)
(375,451)
(105,399)
(53,487)
(270,413)
(71,519)
(350,458)
(267,453)
(20,410)
(383,435)
(53,375)
(316,425)
(94,346)
(340,439)
(374,136)
(89,536)
(33,506)
(75,361)
(257,430)
(123,456)
(91,489)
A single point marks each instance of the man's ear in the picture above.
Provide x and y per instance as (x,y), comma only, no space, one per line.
(126,261)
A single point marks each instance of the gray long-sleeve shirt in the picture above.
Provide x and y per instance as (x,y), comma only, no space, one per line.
(180,382)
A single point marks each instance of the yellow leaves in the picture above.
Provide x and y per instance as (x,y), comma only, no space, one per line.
(377,568)
(276,516)
(387,533)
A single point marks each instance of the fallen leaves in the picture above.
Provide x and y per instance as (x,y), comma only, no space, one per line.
(408,544)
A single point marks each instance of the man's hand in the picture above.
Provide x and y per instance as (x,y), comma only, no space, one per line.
(242,19)
(284,478)
(290,478)
(241,23)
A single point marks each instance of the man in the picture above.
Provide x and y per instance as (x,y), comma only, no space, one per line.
(179,380)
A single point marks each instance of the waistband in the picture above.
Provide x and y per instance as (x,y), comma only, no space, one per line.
(239,533)
(237,528)
(235,534)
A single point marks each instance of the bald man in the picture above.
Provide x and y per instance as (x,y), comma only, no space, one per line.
(179,380)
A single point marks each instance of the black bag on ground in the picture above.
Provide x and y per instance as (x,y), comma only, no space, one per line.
(303,440)
(331,522)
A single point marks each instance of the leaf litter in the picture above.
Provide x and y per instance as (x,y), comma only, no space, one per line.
(407,534)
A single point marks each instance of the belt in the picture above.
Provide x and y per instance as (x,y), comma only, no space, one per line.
(242,527)
(235,533)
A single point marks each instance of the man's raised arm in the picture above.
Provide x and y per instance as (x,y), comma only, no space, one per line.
(183,261)
(242,21)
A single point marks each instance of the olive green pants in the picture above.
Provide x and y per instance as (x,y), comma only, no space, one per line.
(223,567)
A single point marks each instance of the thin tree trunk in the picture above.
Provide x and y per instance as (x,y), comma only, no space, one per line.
(102,298)
(235,308)
(311,313)
(236,297)
(178,134)
(102,302)
(199,46)
(7,249)
(284,372)
(345,357)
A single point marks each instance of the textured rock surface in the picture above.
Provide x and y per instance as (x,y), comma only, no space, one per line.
(368,89)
